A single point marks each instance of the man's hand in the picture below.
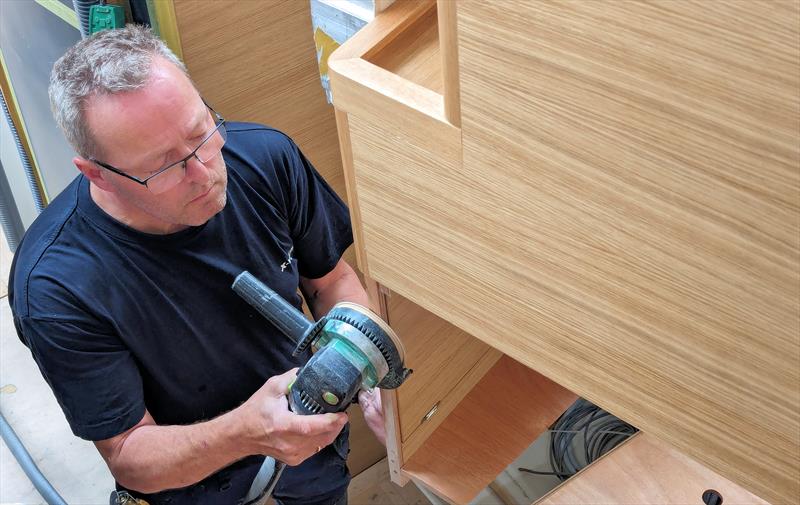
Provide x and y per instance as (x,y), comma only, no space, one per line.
(372,407)
(276,431)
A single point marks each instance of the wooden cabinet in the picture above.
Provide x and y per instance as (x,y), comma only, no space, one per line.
(606,192)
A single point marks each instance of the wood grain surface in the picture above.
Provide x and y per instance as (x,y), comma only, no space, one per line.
(441,356)
(256,61)
(645,470)
(414,53)
(626,215)
(448,42)
(490,428)
(628,212)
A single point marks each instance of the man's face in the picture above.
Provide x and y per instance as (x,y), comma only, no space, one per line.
(142,131)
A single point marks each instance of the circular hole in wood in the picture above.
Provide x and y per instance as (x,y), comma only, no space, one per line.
(712,497)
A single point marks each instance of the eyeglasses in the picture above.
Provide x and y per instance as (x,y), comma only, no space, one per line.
(168,177)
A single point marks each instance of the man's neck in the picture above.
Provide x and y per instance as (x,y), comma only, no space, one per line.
(129,215)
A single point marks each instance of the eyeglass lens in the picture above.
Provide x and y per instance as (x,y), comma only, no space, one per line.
(170,178)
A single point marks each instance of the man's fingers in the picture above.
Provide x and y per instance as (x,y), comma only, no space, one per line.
(280,383)
(322,424)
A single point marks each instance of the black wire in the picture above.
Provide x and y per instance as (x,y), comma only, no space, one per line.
(601,432)
(536,472)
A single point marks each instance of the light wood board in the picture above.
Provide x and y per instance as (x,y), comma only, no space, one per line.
(629,209)
(645,470)
(490,428)
(414,53)
(256,61)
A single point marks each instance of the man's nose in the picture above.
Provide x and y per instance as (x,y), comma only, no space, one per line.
(197,171)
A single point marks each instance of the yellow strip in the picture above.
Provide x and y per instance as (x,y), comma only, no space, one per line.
(325,46)
(61,11)
(167,25)
(19,122)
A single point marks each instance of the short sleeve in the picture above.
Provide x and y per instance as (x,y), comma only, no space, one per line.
(318,218)
(93,376)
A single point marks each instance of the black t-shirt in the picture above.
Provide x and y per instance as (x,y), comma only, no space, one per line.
(119,320)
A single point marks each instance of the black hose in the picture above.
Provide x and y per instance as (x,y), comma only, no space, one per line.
(23,157)
(9,216)
(27,464)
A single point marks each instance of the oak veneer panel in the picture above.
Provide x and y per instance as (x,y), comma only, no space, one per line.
(626,220)
(646,470)
(490,428)
(256,61)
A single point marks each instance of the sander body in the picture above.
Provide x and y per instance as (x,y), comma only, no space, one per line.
(353,349)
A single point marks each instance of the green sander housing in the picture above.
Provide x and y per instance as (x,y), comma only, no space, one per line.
(354,349)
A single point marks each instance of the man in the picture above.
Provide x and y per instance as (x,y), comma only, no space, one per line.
(121,288)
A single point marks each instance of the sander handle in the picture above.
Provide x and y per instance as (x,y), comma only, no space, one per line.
(272,306)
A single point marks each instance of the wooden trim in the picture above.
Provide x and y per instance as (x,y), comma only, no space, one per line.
(391,415)
(394,446)
(382,30)
(352,79)
(448,43)
(19,123)
(348,169)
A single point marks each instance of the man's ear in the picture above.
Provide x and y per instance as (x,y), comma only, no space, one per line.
(94,172)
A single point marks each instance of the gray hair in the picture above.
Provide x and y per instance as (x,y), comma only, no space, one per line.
(109,62)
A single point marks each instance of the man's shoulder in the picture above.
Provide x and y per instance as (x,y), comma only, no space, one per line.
(257,138)
(42,259)
(261,155)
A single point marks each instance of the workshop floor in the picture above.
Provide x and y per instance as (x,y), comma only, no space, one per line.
(72,465)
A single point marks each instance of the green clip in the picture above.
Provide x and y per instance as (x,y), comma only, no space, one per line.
(105,17)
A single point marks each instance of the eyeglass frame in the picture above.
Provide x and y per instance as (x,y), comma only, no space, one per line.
(143,182)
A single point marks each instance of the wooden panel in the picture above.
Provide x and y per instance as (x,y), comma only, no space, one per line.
(448,35)
(646,470)
(626,219)
(256,61)
(489,429)
(441,356)
(414,53)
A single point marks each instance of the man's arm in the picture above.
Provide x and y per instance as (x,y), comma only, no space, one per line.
(339,285)
(150,458)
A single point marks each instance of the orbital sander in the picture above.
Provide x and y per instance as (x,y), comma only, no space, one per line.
(353,349)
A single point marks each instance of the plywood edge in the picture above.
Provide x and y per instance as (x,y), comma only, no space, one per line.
(343,131)
(394,445)
(448,42)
